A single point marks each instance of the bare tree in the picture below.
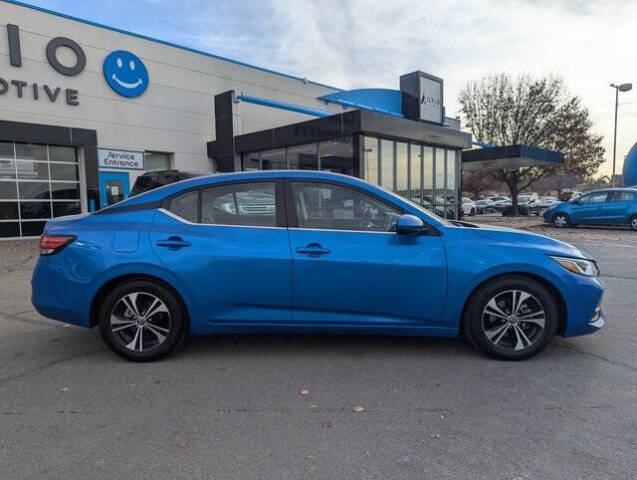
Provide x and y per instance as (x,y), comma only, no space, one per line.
(527,111)
(476,183)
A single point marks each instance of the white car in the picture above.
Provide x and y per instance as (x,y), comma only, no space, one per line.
(468,206)
(546,202)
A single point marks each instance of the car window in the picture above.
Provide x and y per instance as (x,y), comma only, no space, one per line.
(250,204)
(328,206)
(594,197)
(186,205)
(619,196)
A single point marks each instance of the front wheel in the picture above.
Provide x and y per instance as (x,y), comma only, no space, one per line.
(561,220)
(511,318)
(633,223)
(141,320)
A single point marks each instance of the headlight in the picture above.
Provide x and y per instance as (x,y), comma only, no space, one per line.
(578,265)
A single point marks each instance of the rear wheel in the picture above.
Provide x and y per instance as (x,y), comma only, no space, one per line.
(633,223)
(141,320)
(511,318)
(561,220)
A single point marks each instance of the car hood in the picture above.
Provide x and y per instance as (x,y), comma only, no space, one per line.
(533,240)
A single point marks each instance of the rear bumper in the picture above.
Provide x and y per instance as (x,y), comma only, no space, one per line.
(51,298)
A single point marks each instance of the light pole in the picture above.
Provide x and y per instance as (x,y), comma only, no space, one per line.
(624,87)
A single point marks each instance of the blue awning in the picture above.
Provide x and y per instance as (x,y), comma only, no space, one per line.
(509,157)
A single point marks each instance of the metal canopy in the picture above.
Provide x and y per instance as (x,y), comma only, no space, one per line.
(509,157)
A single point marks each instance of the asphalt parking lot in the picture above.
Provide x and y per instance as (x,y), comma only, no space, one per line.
(230,406)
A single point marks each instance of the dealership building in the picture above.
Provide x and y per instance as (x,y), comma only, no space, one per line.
(86,108)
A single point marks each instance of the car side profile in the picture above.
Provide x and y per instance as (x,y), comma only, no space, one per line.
(615,206)
(302,251)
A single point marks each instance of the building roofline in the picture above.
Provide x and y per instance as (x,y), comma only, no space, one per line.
(164,42)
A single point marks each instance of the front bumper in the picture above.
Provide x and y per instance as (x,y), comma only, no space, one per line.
(584,306)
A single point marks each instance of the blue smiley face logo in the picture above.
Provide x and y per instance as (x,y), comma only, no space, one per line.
(125,73)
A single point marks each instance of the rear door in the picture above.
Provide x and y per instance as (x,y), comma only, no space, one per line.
(352,269)
(618,206)
(228,246)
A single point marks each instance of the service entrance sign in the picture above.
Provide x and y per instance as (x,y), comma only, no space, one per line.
(124,159)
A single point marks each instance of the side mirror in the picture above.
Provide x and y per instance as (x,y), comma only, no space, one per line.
(577,201)
(410,225)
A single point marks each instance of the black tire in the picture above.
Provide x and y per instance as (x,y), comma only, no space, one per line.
(561,220)
(632,223)
(169,322)
(475,319)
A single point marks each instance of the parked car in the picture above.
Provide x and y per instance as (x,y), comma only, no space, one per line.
(603,207)
(468,207)
(498,198)
(546,202)
(500,205)
(528,203)
(336,254)
(151,180)
(484,206)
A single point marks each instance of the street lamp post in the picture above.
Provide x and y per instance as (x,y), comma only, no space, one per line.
(624,87)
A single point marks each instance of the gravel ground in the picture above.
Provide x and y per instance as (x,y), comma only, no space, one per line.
(236,407)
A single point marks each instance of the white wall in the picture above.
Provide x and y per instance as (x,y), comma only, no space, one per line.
(175,114)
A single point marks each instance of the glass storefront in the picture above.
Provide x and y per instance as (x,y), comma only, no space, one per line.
(425,174)
(37,182)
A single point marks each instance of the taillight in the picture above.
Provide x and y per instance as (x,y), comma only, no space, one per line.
(50,244)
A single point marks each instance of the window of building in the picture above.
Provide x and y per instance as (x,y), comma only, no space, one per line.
(303,157)
(157,161)
(415,178)
(440,184)
(186,206)
(250,204)
(37,182)
(370,159)
(387,164)
(402,169)
(328,206)
(251,161)
(337,155)
(428,176)
(273,159)
(451,178)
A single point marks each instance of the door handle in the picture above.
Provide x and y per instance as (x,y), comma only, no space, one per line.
(173,243)
(313,249)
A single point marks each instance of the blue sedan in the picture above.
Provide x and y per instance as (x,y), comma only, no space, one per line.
(616,206)
(298,251)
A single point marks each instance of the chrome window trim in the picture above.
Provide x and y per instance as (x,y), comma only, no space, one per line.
(188,222)
(342,231)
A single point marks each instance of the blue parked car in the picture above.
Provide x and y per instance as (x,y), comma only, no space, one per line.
(299,251)
(602,207)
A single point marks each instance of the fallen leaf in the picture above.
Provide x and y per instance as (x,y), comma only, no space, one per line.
(183,444)
(327,424)
(64,389)
(442,416)
(304,392)
(358,408)
(435,435)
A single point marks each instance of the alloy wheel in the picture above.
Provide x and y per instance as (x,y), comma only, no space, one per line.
(140,321)
(633,223)
(513,320)
(560,221)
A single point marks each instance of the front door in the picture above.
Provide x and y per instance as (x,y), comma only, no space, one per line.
(589,208)
(228,247)
(351,269)
(114,187)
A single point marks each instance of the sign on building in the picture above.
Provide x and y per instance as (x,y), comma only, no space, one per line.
(112,158)
(422,97)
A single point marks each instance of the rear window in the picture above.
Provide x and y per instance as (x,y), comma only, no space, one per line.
(186,206)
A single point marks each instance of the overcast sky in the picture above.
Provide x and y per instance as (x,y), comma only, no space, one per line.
(369,43)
